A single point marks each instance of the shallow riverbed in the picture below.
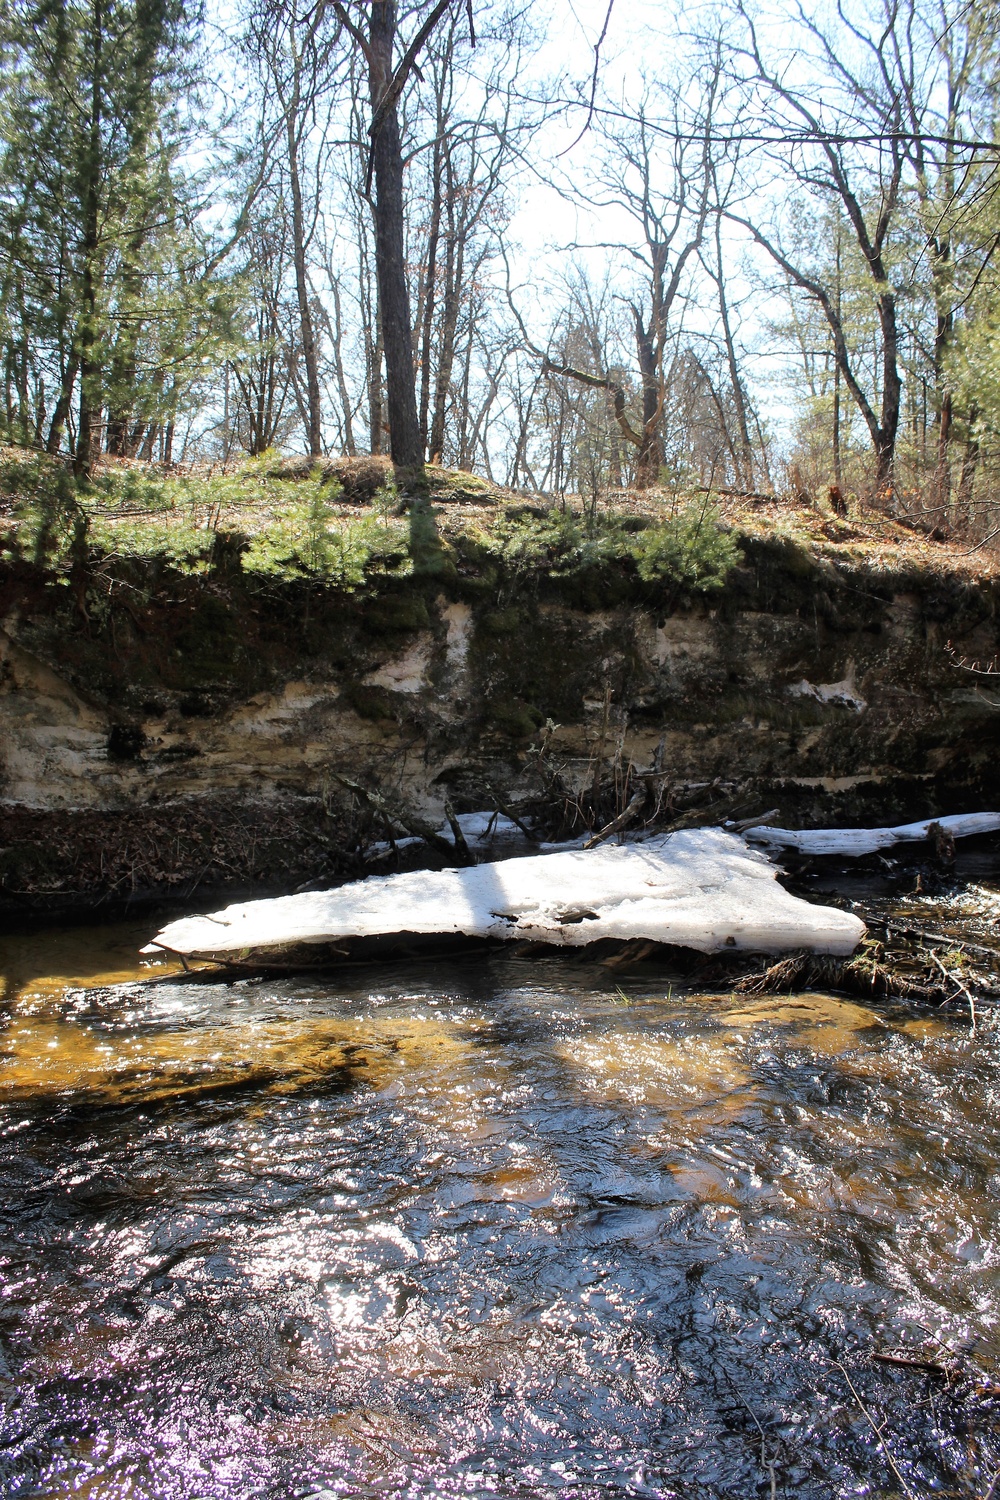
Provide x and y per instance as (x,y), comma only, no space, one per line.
(487,1228)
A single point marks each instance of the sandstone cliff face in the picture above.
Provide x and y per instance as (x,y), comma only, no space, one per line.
(828,690)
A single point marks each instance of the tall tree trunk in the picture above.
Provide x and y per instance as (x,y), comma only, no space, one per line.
(942,341)
(314,413)
(745,465)
(122,375)
(405,443)
(838,476)
(467,446)
(650,456)
(337,332)
(63,403)
(892,388)
(970,462)
(88,436)
(429,306)
(454,266)
(374,351)
(39,412)
(943,451)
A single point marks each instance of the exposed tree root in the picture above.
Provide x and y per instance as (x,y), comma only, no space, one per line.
(862,975)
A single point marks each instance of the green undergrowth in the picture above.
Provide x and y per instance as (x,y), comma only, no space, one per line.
(257,521)
(688,550)
(249,517)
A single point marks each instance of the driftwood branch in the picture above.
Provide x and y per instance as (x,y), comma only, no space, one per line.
(408,821)
(948,974)
(460,841)
(629,815)
(504,809)
(745,824)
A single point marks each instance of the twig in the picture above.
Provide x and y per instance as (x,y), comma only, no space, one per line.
(878,1433)
(929,938)
(958,983)
(991,669)
(766,1464)
(413,825)
(593,81)
(932,1366)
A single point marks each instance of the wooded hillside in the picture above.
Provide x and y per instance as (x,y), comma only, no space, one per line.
(770,267)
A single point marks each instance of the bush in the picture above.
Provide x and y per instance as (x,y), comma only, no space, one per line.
(689,550)
(309,537)
(45,523)
(529,540)
(301,529)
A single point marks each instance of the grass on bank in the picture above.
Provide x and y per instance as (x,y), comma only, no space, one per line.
(339,522)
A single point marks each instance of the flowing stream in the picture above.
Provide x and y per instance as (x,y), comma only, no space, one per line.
(490,1227)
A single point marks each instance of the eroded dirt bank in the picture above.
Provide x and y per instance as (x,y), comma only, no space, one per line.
(164,732)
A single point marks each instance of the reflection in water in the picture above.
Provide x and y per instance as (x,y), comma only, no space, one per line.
(493,1228)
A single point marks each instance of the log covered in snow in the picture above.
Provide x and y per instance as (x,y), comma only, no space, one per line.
(701,889)
(855,842)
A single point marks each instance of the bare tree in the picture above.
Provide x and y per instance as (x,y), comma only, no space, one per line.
(261,371)
(664,185)
(294,50)
(742,449)
(857,94)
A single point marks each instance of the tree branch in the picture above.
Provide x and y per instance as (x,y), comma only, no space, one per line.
(593,81)
(600,382)
(815,289)
(358,36)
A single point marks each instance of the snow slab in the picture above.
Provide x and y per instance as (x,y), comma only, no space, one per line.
(701,888)
(858,841)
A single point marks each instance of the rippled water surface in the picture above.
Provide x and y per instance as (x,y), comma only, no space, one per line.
(486,1228)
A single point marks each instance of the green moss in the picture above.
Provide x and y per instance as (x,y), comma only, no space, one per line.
(455,485)
(514,718)
(389,614)
(502,621)
(212,641)
(592,589)
(550,661)
(374,703)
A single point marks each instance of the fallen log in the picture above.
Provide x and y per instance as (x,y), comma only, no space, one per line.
(855,842)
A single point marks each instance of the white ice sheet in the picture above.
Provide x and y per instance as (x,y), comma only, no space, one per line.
(702,888)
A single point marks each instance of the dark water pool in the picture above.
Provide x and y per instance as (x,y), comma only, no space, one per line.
(494,1228)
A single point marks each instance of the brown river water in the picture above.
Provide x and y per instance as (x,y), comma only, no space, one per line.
(487,1227)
